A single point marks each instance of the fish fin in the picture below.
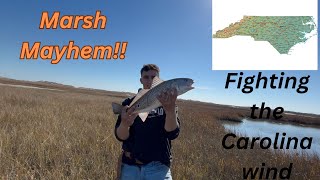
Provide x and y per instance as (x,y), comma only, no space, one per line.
(116,108)
(156,81)
(143,116)
(138,96)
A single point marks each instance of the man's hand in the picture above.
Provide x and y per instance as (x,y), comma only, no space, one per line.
(127,116)
(168,99)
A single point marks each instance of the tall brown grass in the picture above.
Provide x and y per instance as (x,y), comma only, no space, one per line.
(70,135)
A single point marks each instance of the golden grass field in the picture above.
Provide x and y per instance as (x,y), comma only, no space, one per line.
(47,134)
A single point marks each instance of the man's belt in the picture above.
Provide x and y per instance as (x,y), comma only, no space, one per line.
(129,155)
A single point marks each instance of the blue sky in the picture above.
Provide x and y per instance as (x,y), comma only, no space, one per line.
(175,35)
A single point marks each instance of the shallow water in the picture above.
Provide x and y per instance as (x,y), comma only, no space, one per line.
(30,87)
(249,128)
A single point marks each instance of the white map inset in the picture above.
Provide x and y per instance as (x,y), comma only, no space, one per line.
(242,52)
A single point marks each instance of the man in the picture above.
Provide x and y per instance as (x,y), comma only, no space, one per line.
(147,145)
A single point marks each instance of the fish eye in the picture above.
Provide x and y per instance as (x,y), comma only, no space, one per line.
(138,105)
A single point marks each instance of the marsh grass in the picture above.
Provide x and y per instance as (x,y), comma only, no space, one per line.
(70,135)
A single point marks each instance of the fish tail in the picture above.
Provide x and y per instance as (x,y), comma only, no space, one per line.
(116,108)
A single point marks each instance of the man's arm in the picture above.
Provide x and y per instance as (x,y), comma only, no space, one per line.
(127,118)
(168,101)
(171,120)
(122,132)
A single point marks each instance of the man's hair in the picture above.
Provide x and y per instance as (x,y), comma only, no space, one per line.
(148,67)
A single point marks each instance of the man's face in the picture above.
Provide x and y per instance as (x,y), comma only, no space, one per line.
(147,77)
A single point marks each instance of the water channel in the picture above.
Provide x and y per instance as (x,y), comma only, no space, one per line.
(250,128)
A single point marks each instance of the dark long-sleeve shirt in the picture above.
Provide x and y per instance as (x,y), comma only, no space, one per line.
(148,141)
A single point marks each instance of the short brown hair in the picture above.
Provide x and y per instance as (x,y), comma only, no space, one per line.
(148,67)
